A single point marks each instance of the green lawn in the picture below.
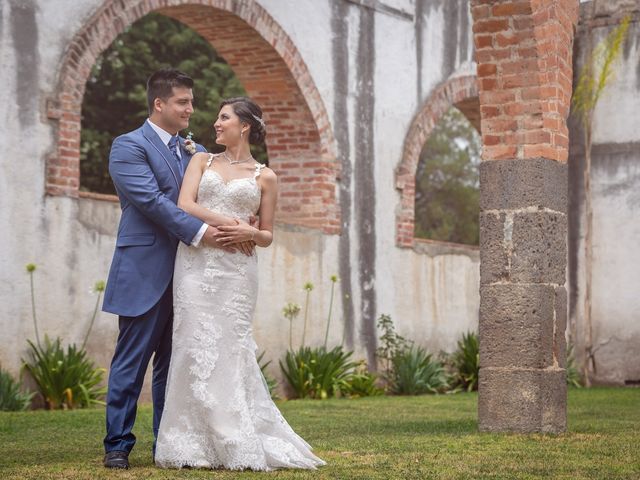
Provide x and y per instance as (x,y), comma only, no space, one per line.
(373,438)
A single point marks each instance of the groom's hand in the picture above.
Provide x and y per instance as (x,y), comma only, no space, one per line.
(210,239)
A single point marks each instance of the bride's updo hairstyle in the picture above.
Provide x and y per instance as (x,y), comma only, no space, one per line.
(250,113)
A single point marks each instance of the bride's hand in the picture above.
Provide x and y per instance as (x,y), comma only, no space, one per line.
(246,247)
(239,233)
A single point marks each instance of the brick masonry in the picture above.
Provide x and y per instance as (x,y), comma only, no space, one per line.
(300,140)
(524,50)
(461,92)
(524,56)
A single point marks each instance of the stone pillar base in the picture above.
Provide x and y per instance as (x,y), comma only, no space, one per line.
(522,401)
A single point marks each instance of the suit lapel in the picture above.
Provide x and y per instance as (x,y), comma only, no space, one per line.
(186,156)
(163,150)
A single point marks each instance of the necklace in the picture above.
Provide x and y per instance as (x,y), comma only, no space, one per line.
(234,162)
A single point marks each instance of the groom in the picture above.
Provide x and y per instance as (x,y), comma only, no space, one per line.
(147,167)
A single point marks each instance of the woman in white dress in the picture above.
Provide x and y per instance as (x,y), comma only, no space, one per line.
(218,412)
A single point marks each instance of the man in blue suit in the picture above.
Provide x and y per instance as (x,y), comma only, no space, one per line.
(147,167)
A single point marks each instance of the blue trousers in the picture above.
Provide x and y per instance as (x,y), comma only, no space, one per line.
(139,339)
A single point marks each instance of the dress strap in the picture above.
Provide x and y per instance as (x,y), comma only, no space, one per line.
(210,160)
(259,168)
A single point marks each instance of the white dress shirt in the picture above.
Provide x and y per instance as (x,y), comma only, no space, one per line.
(166,137)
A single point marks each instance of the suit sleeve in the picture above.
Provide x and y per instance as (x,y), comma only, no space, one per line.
(134,179)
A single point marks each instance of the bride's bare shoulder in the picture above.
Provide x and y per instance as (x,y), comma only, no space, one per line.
(268,175)
(203,158)
(200,157)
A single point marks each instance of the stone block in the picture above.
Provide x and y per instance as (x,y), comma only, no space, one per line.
(560,318)
(494,260)
(519,183)
(516,326)
(522,400)
(539,252)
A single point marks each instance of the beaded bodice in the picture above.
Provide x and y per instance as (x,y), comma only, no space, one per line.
(237,198)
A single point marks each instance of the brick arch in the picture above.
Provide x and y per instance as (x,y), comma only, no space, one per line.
(300,141)
(460,92)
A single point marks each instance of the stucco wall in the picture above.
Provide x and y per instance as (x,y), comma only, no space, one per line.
(616,207)
(373,71)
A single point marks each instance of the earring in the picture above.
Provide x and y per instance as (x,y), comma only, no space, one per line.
(241,134)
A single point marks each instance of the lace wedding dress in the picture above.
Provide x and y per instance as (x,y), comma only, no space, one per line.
(218,411)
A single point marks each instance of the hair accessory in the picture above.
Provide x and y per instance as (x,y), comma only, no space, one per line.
(259,120)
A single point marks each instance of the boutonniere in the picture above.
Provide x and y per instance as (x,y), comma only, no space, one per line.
(189,144)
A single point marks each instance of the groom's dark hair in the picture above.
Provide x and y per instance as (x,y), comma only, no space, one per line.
(160,84)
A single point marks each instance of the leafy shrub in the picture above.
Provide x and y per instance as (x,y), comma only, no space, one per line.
(466,362)
(11,398)
(391,344)
(362,383)
(271,382)
(65,379)
(318,373)
(416,372)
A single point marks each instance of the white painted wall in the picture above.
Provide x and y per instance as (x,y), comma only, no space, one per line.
(432,298)
(616,210)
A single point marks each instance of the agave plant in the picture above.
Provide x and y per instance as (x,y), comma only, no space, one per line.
(466,361)
(271,382)
(318,373)
(11,398)
(363,383)
(416,372)
(65,379)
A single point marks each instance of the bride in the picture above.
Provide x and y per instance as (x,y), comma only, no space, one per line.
(218,411)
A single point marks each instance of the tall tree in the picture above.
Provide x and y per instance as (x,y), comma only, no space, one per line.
(596,73)
(115,97)
(447,182)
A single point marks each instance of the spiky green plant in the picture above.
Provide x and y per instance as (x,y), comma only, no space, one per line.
(363,383)
(415,372)
(271,382)
(318,373)
(65,379)
(12,399)
(466,362)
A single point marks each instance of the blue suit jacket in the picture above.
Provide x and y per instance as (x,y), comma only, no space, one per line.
(148,182)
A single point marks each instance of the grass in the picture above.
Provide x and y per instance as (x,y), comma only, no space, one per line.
(372,438)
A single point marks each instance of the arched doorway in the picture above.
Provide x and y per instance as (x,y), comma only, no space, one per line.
(300,141)
(460,92)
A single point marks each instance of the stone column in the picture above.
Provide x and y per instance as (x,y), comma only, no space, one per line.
(523,51)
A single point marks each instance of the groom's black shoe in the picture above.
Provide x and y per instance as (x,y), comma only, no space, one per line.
(116,459)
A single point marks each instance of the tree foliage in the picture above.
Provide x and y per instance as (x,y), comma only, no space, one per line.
(115,98)
(448,183)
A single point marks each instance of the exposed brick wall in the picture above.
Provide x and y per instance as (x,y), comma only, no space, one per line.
(459,92)
(300,139)
(524,50)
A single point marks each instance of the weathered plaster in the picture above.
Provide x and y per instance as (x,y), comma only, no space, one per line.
(615,184)
(431,294)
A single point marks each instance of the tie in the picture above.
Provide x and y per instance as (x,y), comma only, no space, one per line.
(173,146)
